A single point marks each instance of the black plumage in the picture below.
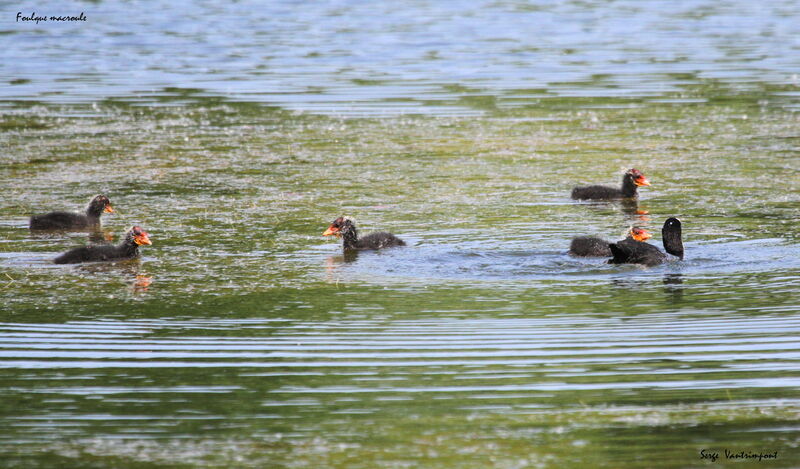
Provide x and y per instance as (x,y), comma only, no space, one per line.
(345,228)
(632,179)
(588,246)
(593,246)
(671,236)
(626,252)
(67,220)
(127,249)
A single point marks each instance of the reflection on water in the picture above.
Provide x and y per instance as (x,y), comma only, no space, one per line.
(673,279)
(93,234)
(349,256)
(141,283)
(631,208)
(101,237)
(332,262)
(673,284)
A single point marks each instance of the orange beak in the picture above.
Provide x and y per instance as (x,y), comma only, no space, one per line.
(641,181)
(109,209)
(640,235)
(332,230)
(142,238)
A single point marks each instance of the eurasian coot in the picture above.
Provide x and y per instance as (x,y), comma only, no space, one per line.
(632,179)
(127,249)
(345,228)
(642,253)
(67,220)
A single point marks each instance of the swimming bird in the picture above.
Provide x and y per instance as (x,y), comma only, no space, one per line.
(127,249)
(593,246)
(632,179)
(66,220)
(345,228)
(642,253)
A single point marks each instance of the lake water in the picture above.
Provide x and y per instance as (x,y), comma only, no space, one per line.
(242,338)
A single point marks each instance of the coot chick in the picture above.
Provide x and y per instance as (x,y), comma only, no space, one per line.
(632,179)
(127,249)
(647,254)
(67,220)
(591,246)
(345,228)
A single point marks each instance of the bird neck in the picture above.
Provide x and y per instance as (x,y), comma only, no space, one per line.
(128,246)
(350,237)
(628,186)
(93,212)
(672,241)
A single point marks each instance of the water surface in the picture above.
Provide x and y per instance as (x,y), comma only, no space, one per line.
(243,338)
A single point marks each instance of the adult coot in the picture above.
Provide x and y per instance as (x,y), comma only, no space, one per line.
(647,254)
